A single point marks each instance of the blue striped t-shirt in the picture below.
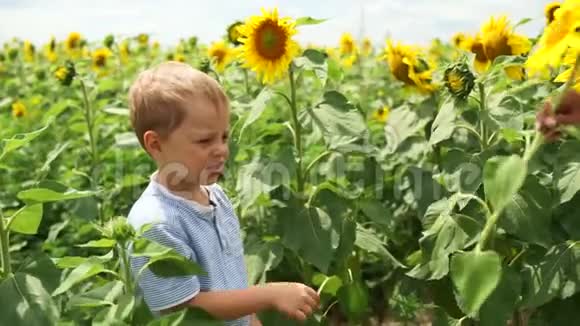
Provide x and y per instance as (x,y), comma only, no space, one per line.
(208,235)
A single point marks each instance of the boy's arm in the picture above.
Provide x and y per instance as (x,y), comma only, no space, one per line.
(255,321)
(295,300)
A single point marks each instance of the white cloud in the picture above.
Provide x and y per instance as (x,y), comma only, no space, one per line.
(415,21)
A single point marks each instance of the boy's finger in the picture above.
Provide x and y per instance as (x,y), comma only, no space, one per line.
(313,294)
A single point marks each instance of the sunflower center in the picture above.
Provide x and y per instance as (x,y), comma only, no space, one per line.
(455,82)
(271,40)
(550,14)
(100,60)
(477,48)
(219,55)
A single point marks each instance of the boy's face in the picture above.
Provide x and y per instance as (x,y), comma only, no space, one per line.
(195,153)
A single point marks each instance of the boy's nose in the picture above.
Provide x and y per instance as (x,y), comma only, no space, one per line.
(222,150)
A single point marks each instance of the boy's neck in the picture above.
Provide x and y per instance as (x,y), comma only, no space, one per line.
(189,191)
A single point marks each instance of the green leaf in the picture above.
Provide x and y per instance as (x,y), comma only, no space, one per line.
(86,270)
(313,233)
(568,171)
(340,123)
(27,219)
(42,267)
(475,276)
(20,140)
(117,314)
(41,195)
(189,316)
(522,21)
(353,299)
(376,211)
(443,126)
(308,21)
(101,243)
(117,111)
(528,214)
(164,261)
(461,172)
(260,257)
(444,236)
(405,122)
(367,240)
(258,106)
(313,60)
(555,274)
(53,155)
(327,284)
(26,302)
(105,295)
(172,264)
(503,177)
(501,304)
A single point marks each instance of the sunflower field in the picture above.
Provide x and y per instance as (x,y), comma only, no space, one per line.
(416,185)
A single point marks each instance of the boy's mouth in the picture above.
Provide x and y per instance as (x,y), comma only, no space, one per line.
(217,167)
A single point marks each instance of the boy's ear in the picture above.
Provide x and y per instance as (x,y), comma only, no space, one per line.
(152,142)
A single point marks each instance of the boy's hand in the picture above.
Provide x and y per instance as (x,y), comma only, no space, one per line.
(296,300)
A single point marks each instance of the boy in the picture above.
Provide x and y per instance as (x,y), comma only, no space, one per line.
(181,118)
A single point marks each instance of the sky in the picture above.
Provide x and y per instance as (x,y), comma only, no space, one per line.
(411,21)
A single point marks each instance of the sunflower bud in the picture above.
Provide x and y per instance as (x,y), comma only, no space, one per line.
(459,80)
(193,42)
(205,65)
(12,53)
(109,41)
(40,74)
(143,39)
(119,230)
(234,34)
(65,74)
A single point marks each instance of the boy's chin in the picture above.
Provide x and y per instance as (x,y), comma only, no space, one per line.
(212,178)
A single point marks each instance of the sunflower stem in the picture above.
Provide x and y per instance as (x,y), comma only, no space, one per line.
(4,246)
(482,106)
(298,132)
(246,82)
(89,119)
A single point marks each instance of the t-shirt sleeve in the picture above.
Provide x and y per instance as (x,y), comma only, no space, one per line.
(161,293)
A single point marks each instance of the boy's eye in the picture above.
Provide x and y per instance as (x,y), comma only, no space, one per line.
(204,141)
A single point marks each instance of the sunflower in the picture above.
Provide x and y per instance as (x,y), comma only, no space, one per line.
(234,34)
(124,51)
(347,62)
(347,44)
(407,66)
(561,33)
(18,109)
(381,114)
(458,39)
(220,54)
(179,57)
(143,39)
(50,50)
(459,80)
(515,72)
(367,47)
(73,42)
(570,61)
(496,38)
(268,47)
(99,58)
(550,11)
(29,51)
(65,74)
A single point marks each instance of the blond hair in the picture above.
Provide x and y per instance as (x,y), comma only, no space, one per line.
(160,97)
